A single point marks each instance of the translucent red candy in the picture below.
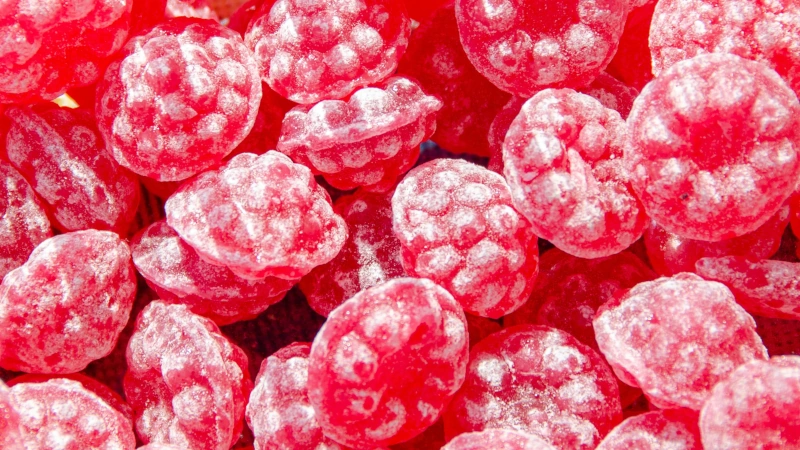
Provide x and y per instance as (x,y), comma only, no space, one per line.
(632,62)
(712,146)
(50,46)
(563,162)
(178,99)
(312,51)
(371,139)
(66,306)
(422,10)
(458,227)
(612,93)
(756,407)
(10,437)
(667,429)
(267,128)
(199,9)
(523,46)
(146,14)
(497,439)
(498,129)
(676,338)
(187,384)
(387,362)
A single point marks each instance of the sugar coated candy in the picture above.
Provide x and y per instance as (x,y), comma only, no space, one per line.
(538,380)
(612,93)
(259,216)
(676,338)
(658,430)
(199,9)
(10,437)
(497,439)
(523,46)
(179,98)
(563,162)
(387,362)
(756,407)
(458,227)
(371,139)
(187,384)
(66,306)
(312,51)
(712,146)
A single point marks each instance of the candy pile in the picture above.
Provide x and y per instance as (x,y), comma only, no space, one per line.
(399,224)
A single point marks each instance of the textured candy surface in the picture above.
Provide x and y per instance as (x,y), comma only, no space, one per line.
(371,139)
(523,46)
(10,437)
(259,216)
(563,161)
(187,384)
(539,380)
(612,93)
(676,338)
(498,130)
(499,440)
(199,9)
(405,326)
(267,128)
(712,146)
(422,10)
(632,63)
(66,306)
(458,227)
(179,98)
(674,429)
(756,407)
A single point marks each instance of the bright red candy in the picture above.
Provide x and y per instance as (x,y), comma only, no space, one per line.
(712,146)
(187,384)
(387,362)
(178,99)
(498,130)
(10,437)
(657,430)
(632,62)
(199,9)
(371,139)
(612,93)
(497,439)
(312,51)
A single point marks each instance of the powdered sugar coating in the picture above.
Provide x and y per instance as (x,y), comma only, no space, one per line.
(10,437)
(458,227)
(631,64)
(563,162)
(386,363)
(612,93)
(371,139)
(673,429)
(712,146)
(199,9)
(259,216)
(498,440)
(676,338)
(178,99)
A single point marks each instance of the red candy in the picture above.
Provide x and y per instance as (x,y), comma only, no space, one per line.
(612,93)
(190,8)
(458,227)
(178,99)
(387,362)
(632,62)
(498,440)
(10,437)
(668,429)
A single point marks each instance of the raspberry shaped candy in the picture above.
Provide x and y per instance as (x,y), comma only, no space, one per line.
(61,153)
(146,14)
(260,216)
(676,338)
(405,326)
(370,140)
(187,384)
(66,306)
(10,437)
(612,93)
(177,273)
(756,407)
(49,47)
(313,51)
(458,227)
(668,429)
(523,46)
(199,9)
(712,146)
(498,130)
(538,380)
(563,161)
(370,256)
(498,440)
(178,99)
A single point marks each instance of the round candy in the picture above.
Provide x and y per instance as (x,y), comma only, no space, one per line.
(612,93)
(10,437)
(190,8)
(498,130)
(657,430)
(497,439)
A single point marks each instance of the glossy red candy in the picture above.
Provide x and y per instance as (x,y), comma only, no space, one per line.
(199,9)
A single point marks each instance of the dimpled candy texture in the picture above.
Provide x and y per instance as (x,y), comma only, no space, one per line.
(676,338)
(177,273)
(538,380)
(178,99)
(66,306)
(672,429)
(712,146)
(387,361)
(187,384)
(437,60)
(523,46)
(10,437)
(199,9)
(260,216)
(61,153)
(756,407)
(371,139)
(311,51)
(563,162)
(23,220)
(498,440)
(370,256)
(458,227)
(50,46)
(62,414)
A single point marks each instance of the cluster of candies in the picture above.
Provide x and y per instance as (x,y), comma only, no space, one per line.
(227,235)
